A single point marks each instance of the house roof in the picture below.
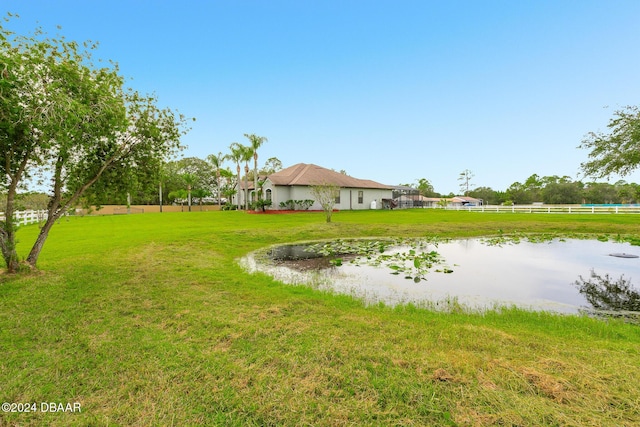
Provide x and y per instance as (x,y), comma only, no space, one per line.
(310,174)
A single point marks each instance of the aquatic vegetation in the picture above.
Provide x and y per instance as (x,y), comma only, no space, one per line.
(409,257)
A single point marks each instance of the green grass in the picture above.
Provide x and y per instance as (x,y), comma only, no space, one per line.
(148,320)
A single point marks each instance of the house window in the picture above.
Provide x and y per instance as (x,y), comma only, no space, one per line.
(338,197)
(268,194)
(361,197)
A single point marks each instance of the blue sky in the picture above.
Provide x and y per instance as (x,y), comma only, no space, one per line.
(391,91)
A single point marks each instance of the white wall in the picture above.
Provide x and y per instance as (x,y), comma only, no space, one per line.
(348,197)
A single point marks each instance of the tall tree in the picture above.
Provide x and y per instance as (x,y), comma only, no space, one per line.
(616,152)
(272,165)
(426,188)
(534,185)
(247,155)
(518,194)
(236,156)
(255,142)
(465,178)
(190,180)
(64,118)
(217,162)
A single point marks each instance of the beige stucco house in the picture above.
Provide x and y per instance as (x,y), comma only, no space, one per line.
(294,183)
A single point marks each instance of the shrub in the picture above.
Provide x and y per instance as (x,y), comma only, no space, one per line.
(304,204)
(261,204)
(289,204)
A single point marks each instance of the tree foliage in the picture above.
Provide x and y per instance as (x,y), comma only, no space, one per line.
(325,194)
(74,125)
(272,165)
(426,188)
(487,195)
(616,152)
(191,174)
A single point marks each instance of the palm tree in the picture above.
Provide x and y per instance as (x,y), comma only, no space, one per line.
(199,193)
(189,179)
(255,142)
(247,154)
(178,194)
(216,162)
(226,179)
(236,157)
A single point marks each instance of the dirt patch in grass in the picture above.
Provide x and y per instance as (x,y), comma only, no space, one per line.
(546,385)
(443,375)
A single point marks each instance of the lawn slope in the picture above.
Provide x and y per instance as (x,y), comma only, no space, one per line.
(148,320)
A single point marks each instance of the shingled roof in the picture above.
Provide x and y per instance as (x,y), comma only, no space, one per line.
(310,174)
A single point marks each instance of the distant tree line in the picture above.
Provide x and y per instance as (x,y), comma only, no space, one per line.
(548,190)
(204,181)
(213,185)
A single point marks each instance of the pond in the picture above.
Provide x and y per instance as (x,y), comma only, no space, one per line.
(475,273)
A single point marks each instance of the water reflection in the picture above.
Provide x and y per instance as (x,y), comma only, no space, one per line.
(604,293)
(538,276)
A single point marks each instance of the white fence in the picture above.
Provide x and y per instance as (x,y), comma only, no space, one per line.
(27,217)
(571,209)
(31,217)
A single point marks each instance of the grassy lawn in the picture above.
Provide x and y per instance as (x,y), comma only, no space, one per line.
(147,320)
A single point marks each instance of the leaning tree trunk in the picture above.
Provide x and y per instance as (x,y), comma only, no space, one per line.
(57,208)
(32,259)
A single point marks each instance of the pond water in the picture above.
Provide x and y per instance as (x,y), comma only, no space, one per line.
(474,273)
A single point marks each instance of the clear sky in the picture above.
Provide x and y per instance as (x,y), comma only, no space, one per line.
(388,90)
